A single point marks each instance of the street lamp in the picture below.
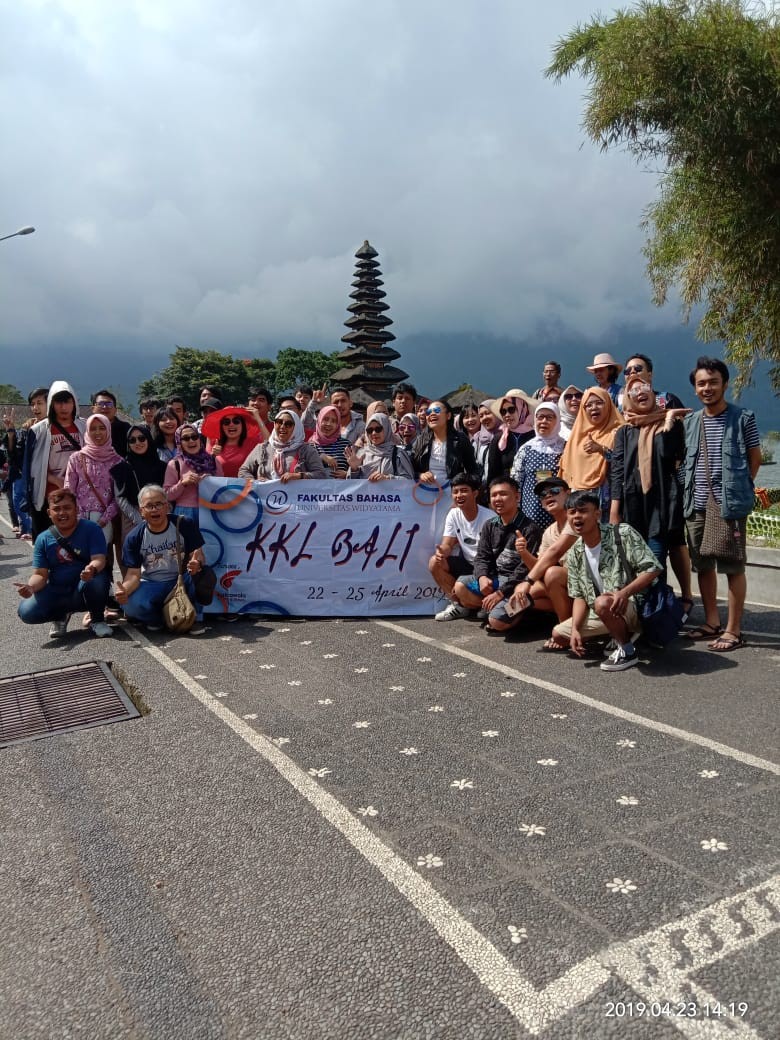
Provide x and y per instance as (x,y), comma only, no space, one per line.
(21,231)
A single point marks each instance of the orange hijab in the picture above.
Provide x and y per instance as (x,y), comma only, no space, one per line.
(585,472)
(650,424)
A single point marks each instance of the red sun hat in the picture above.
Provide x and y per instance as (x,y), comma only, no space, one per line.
(211,424)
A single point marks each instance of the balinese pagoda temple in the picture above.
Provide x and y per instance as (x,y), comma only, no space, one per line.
(367,372)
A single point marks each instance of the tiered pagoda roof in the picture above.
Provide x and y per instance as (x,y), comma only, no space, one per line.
(367,357)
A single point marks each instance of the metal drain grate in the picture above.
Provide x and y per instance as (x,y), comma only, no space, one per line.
(41,704)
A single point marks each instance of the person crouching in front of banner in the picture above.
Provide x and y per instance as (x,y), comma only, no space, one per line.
(150,556)
(69,560)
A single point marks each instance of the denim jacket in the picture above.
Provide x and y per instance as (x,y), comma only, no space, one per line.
(738,489)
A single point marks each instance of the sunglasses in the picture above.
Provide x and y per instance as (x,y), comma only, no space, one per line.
(284,423)
(230,422)
(136,440)
(433,411)
(406,427)
(374,429)
(550,491)
(572,397)
(188,440)
(508,411)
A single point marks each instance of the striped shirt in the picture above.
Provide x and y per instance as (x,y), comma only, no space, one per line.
(714,427)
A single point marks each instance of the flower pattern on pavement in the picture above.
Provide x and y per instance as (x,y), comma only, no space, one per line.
(360,671)
(627,799)
(388,644)
(430,861)
(559,715)
(713,845)
(280,741)
(329,657)
(509,693)
(625,743)
(266,667)
(251,715)
(489,732)
(625,887)
(397,689)
(547,761)
(325,700)
(361,632)
(319,772)
(531,829)
(368,810)
(436,708)
(221,693)
(709,774)
(305,642)
(423,659)
(458,675)
(462,785)
(294,682)
(246,651)
(200,677)
(361,725)
(409,751)
(517,934)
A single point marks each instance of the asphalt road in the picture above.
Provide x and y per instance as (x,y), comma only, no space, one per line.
(373,828)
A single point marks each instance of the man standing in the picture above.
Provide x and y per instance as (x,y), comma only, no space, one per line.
(69,560)
(602,592)
(505,551)
(16,440)
(259,404)
(404,402)
(352,425)
(462,528)
(149,554)
(104,403)
(723,454)
(551,391)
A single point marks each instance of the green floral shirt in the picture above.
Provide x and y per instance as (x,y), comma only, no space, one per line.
(638,554)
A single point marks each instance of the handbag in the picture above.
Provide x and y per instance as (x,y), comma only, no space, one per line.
(660,610)
(178,610)
(720,538)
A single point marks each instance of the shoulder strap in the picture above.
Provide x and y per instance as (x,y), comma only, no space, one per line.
(628,572)
(65,544)
(69,436)
(395,460)
(95,491)
(179,554)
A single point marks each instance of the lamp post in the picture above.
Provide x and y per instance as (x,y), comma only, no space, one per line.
(21,231)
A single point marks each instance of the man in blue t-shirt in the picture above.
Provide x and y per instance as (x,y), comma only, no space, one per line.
(149,553)
(69,560)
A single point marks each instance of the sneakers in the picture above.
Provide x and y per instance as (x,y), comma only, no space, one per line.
(155,628)
(620,660)
(454,612)
(198,629)
(101,629)
(59,628)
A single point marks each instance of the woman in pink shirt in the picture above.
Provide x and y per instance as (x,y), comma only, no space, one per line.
(187,468)
(89,477)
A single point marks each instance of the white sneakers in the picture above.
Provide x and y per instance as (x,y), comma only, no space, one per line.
(59,628)
(454,612)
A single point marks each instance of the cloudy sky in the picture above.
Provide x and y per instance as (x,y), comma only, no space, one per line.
(201,173)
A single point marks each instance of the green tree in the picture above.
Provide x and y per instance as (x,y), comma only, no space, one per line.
(190,369)
(304,366)
(694,86)
(11,395)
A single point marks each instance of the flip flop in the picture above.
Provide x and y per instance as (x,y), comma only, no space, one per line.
(703,632)
(728,642)
(551,647)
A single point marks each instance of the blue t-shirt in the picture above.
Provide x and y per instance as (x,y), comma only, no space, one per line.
(155,554)
(64,568)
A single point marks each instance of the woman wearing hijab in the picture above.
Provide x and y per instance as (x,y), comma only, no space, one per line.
(588,452)
(141,466)
(440,452)
(407,430)
(286,455)
(538,459)
(187,468)
(569,405)
(514,411)
(646,457)
(89,477)
(382,459)
(48,447)
(329,443)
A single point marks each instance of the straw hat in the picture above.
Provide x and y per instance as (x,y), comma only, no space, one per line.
(495,407)
(602,360)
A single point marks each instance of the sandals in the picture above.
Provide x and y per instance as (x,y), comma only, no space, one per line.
(553,647)
(726,642)
(703,632)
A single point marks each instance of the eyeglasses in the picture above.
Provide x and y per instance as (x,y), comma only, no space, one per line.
(508,411)
(405,427)
(433,411)
(190,439)
(374,429)
(572,397)
(550,491)
(631,369)
(230,422)
(284,423)
(154,506)
(136,440)
(104,405)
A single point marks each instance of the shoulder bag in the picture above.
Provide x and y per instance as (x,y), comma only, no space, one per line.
(178,610)
(660,610)
(720,538)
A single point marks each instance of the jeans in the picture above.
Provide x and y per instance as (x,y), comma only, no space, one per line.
(146,603)
(54,604)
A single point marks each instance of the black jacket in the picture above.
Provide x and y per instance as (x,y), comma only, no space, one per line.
(496,554)
(459,457)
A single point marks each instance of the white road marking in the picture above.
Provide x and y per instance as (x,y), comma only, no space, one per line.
(591,702)
(638,962)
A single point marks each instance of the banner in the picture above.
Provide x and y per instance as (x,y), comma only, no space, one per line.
(322,548)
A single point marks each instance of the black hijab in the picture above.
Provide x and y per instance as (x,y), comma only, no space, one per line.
(137,470)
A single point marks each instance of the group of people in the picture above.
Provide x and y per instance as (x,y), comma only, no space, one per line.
(531,474)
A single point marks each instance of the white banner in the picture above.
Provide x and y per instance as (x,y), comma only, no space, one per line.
(322,548)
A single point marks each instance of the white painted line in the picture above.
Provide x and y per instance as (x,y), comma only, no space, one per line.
(591,702)
(534,1009)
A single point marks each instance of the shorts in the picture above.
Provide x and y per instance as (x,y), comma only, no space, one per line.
(460,568)
(593,627)
(472,584)
(702,564)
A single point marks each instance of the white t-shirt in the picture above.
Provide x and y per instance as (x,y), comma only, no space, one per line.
(438,460)
(593,555)
(466,531)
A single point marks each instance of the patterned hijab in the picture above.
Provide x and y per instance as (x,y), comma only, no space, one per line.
(201,461)
(281,449)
